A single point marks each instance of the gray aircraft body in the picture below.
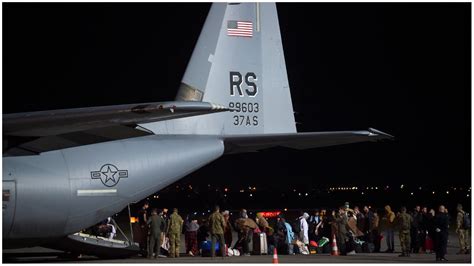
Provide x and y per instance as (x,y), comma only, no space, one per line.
(66,170)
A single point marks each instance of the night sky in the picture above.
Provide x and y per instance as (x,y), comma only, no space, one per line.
(402,68)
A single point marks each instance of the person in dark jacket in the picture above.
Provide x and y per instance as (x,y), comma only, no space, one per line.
(369,218)
(143,233)
(415,232)
(156,224)
(203,231)
(441,224)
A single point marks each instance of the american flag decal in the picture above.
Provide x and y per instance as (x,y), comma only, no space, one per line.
(239,28)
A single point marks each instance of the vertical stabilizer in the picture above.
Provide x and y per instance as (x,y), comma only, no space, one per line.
(238,62)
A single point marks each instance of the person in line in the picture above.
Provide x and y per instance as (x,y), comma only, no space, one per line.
(244,227)
(216,228)
(375,231)
(156,225)
(142,221)
(388,222)
(203,231)
(360,219)
(175,227)
(280,235)
(227,229)
(415,232)
(324,229)
(313,223)
(163,253)
(441,224)
(340,225)
(190,236)
(304,228)
(354,233)
(404,221)
(462,229)
(366,227)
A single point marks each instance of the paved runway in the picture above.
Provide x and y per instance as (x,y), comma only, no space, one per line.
(41,255)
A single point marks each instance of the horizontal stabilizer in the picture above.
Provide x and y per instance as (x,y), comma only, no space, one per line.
(306,140)
(55,122)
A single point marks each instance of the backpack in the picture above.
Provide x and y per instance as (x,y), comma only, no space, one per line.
(466,221)
(295,225)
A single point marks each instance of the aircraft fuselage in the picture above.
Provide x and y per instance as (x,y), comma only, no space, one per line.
(61,192)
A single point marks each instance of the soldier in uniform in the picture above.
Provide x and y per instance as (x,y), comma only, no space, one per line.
(156,224)
(216,228)
(175,226)
(143,233)
(404,223)
(463,231)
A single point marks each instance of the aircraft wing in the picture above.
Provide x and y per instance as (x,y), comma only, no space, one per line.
(56,122)
(305,140)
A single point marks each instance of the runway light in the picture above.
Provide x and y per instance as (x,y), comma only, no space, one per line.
(286,209)
(251,195)
(376,188)
(362,193)
(225,189)
(419,188)
(299,194)
(401,187)
(433,192)
(447,192)
(411,193)
(306,194)
(241,191)
(467,195)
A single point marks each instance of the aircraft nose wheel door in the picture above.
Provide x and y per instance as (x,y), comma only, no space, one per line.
(8,206)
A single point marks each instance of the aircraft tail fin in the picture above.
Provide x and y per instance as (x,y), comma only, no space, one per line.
(238,62)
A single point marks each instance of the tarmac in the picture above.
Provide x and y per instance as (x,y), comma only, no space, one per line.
(43,255)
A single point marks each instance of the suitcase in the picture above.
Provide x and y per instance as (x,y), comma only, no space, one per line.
(260,246)
(428,244)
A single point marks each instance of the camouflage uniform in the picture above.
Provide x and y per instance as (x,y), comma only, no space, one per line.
(404,221)
(175,226)
(463,233)
(216,228)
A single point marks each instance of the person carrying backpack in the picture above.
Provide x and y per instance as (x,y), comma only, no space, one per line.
(463,224)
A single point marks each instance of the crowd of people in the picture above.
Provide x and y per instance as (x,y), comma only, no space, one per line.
(353,229)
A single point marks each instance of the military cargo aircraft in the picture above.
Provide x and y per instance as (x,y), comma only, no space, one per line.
(66,170)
